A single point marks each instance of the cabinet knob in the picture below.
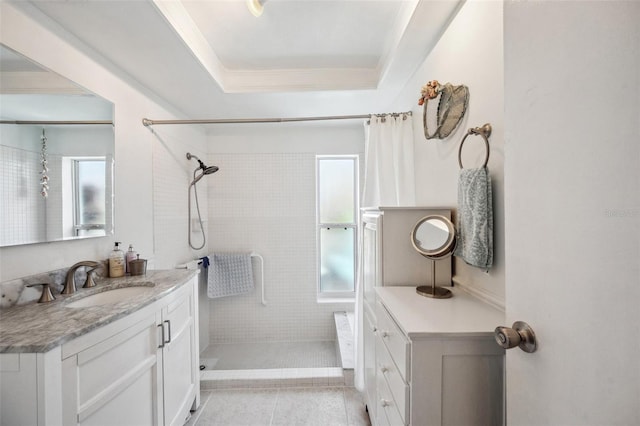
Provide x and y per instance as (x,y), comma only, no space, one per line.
(520,334)
(384,334)
(384,402)
(384,369)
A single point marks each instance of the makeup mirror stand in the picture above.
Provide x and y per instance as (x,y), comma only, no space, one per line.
(434,237)
(433,290)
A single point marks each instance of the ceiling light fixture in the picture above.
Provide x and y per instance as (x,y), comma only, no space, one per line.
(256,7)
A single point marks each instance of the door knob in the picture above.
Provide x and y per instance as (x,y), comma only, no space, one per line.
(520,335)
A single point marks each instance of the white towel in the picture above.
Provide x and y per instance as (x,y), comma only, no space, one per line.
(229,274)
(475,218)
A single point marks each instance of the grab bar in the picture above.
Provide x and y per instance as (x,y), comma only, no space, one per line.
(253,254)
(264,302)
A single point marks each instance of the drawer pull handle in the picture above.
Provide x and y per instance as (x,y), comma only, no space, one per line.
(162,342)
(384,403)
(169,327)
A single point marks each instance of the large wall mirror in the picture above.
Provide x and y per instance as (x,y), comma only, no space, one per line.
(56,156)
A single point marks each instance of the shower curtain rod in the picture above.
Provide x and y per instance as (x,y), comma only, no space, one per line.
(147,122)
(58,122)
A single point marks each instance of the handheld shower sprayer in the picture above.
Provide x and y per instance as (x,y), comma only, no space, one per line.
(204,170)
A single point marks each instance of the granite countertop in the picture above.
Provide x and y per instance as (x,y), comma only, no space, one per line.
(39,327)
(420,316)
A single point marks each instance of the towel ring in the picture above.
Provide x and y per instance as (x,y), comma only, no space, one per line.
(485,132)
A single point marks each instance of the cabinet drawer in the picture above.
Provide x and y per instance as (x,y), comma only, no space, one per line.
(395,341)
(387,408)
(397,386)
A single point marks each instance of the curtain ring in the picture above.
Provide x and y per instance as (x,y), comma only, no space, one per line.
(485,132)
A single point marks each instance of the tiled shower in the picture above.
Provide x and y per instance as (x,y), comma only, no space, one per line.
(262,200)
(265,203)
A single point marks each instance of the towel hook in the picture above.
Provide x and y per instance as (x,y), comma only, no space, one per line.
(485,132)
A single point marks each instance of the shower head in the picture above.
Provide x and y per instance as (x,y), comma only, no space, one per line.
(209,169)
(206,170)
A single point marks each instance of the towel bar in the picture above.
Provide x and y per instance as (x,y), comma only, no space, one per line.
(485,132)
(256,255)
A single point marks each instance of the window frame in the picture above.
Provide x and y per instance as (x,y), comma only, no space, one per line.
(78,226)
(337,296)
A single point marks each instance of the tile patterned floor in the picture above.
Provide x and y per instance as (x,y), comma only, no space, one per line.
(329,406)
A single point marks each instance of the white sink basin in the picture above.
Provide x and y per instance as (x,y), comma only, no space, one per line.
(109,297)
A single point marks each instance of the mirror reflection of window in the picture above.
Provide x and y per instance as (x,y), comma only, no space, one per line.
(89,176)
(432,235)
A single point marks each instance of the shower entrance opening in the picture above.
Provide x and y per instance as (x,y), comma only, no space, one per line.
(260,364)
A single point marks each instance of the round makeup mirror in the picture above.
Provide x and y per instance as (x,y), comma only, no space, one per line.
(434,237)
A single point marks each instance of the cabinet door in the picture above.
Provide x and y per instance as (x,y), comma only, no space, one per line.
(115,381)
(179,358)
(18,389)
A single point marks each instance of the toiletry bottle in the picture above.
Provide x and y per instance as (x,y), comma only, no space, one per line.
(116,262)
(131,255)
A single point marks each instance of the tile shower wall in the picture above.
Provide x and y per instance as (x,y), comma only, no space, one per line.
(264,202)
(172,173)
(23,208)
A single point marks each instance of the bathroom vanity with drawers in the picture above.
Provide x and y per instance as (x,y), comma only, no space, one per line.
(436,361)
(83,360)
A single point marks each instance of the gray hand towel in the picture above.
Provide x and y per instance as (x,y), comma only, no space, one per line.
(475,218)
(229,274)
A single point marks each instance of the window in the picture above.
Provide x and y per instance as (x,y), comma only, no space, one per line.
(337,212)
(89,196)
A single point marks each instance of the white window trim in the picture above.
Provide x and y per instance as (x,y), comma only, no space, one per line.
(77,225)
(344,296)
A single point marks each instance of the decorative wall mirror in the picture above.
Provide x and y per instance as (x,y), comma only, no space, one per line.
(434,237)
(448,106)
(56,156)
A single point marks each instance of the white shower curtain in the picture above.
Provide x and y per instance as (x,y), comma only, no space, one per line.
(388,181)
(388,170)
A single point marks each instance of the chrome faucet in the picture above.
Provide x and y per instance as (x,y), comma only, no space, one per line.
(70,281)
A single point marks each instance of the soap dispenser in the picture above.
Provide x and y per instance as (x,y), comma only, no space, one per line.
(131,255)
(116,262)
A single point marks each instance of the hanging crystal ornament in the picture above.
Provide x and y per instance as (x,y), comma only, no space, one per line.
(44,179)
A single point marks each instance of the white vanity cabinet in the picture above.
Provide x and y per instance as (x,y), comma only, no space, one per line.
(388,258)
(436,360)
(141,369)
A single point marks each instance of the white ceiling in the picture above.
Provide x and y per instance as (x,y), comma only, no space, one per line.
(213,59)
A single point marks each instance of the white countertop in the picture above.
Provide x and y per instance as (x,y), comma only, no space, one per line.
(420,316)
